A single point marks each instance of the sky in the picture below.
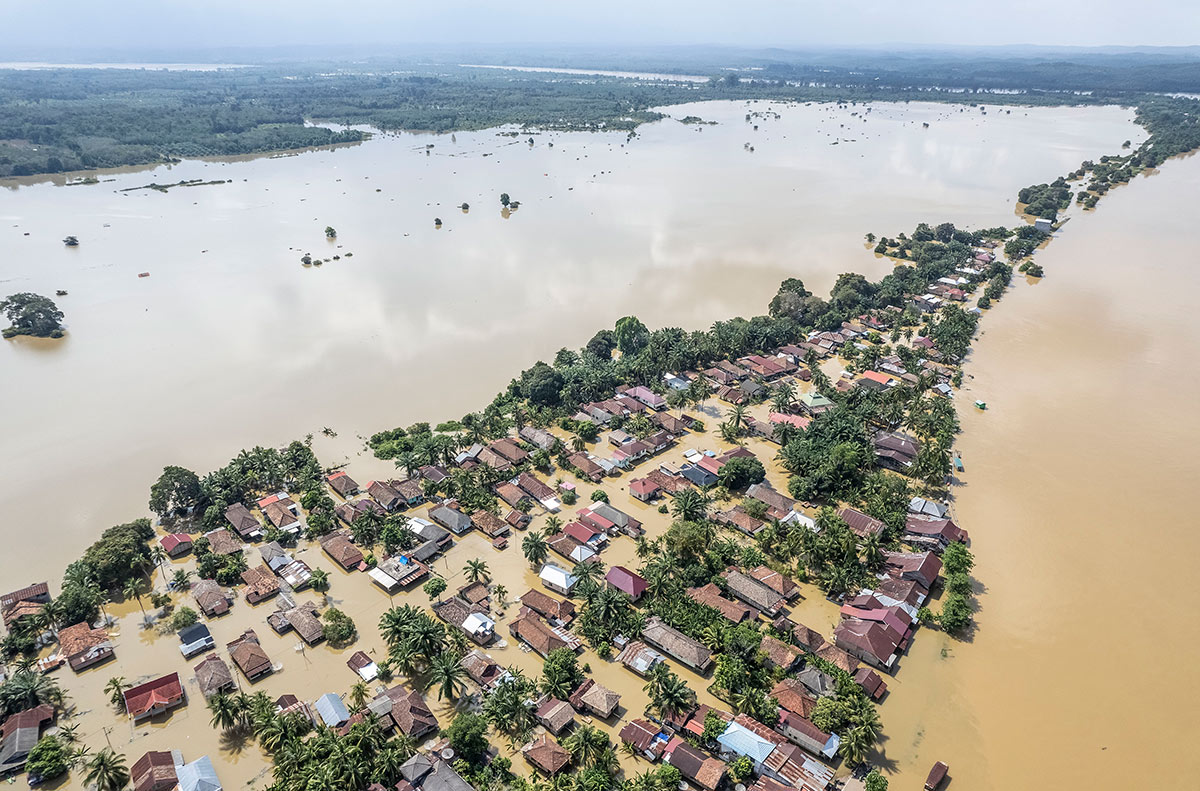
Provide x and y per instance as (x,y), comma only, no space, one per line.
(58,26)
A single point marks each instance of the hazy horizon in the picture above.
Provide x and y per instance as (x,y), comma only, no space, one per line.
(61,27)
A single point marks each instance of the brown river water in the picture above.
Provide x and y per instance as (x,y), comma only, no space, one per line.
(231,343)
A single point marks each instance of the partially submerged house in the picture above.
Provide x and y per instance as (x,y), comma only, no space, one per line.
(82,646)
(154,697)
(753,592)
(398,572)
(538,635)
(628,582)
(544,754)
(676,644)
(342,483)
(210,597)
(452,519)
(243,522)
(261,584)
(213,676)
(871,641)
(249,656)
(301,618)
(639,657)
(18,735)
(295,573)
(861,524)
(407,711)
(25,601)
(472,619)
(339,547)
(553,714)
(591,697)
(735,612)
(155,771)
(195,639)
(699,769)
(645,737)
(556,611)
(557,579)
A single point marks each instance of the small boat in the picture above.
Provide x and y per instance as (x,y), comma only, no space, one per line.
(981,404)
(143,274)
(60,293)
(958,465)
(936,775)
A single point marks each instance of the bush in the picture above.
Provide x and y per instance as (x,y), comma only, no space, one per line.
(48,759)
(339,628)
(183,618)
(569,498)
(599,495)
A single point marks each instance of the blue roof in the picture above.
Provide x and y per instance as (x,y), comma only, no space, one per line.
(332,710)
(744,741)
(199,775)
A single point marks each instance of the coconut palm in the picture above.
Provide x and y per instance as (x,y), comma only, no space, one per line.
(784,397)
(319,580)
(115,688)
(26,689)
(669,694)
(225,712)
(180,580)
(553,525)
(533,546)
(476,570)
(737,416)
(359,693)
(585,744)
(107,771)
(872,552)
(588,570)
(577,444)
(500,592)
(447,673)
(857,741)
(688,506)
(133,590)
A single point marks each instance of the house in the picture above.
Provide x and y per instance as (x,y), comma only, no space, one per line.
(82,646)
(195,639)
(410,490)
(737,517)
(631,584)
(26,601)
(676,644)
(569,548)
(484,670)
(517,520)
(428,531)
(586,466)
(282,515)
(779,654)
(809,639)
(363,665)
(351,511)
(398,572)
(820,684)
(647,397)
(430,774)
(927,509)
(339,547)
(210,598)
(489,524)
(895,451)
(1044,225)
(154,697)
(472,619)
(557,579)
(596,699)
(780,583)
(261,584)
(922,567)
(604,516)
(700,770)
(814,403)
(794,697)
(644,489)
(639,657)
(199,775)
(932,533)
(772,755)
(408,712)
(222,542)
(452,519)
(342,483)
(872,642)
(801,732)
(837,657)
(302,619)
(382,493)
(594,537)
(155,771)
(698,475)
(645,737)
(554,714)
(331,710)
(433,473)
(870,682)
(494,460)
(555,611)
(677,382)
(176,544)
(753,592)
(544,754)
(249,656)
(861,524)
(509,493)
(710,596)
(18,735)
(243,522)
(778,506)
(534,632)
(213,676)
(892,592)
(539,438)
(295,573)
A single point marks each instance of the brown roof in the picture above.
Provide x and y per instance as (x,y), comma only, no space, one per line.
(752,591)
(222,542)
(509,493)
(342,483)
(664,637)
(339,547)
(837,657)
(548,606)
(210,597)
(777,582)
(249,656)
(242,520)
(595,698)
(533,630)
(779,653)
(80,638)
(701,769)
(39,591)
(473,593)
(213,675)
(535,487)
(144,698)
(261,583)
(489,523)
(639,733)
(545,754)
(280,514)
(304,620)
(482,669)
(555,714)
(154,771)
(410,713)
(737,517)
(710,596)
(803,636)
(793,696)
(860,523)
(509,449)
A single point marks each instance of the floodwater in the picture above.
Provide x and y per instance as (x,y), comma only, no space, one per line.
(1073,678)
(637,75)
(1075,495)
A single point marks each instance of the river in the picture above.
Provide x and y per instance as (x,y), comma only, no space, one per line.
(230,342)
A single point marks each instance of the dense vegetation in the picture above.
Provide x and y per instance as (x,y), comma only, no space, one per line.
(31,314)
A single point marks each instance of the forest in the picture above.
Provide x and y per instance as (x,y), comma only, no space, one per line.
(63,120)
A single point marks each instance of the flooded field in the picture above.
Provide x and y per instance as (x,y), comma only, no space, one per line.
(1071,491)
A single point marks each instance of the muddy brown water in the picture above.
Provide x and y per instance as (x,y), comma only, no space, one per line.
(1081,455)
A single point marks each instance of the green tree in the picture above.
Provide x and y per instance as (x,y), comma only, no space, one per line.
(630,334)
(741,472)
(476,570)
(32,314)
(468,736)
(447,674)
(874,780)
(319,580)
(175,491)
(339,628)
(48,759)
(689,506)
(115,688)
(505,200)
(561,673)
(330,232)
(534,547)
(107,771)
(957,559)
(434,588)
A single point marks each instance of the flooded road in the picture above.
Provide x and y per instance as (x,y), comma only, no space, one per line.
(1077,497)
(230,342)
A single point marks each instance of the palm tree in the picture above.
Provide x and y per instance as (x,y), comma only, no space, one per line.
(585,744)
(69,734)
(730,433)
(319,580)
(533,546)
(688,506)
(553,525)
(588,570)
(446,671)
(857,741)
(872,553)
(669,694)
(159,556)
(358,696)
(577,444)
(107,771)
(501,592)
(737,416)
(476,570)
(783,397)
(133,590)
(115,688)
(180,580)
(224,710)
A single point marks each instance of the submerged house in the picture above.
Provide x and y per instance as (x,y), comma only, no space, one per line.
(82,646)
(154,697)
(676,644)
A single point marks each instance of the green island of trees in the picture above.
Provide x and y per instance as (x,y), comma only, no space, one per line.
(31,314)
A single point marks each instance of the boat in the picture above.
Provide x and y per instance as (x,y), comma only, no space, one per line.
(49,663)
(936,775)
(143,274)
(981,404)
(60,293)
(958,465)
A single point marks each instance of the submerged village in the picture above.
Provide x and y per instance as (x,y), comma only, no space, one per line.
(706,579)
